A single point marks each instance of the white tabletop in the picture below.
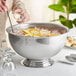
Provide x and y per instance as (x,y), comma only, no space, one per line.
(57,69)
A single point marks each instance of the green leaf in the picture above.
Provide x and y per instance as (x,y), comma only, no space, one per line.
(74,22)
(69,24)
(62,18)
(65,22)
(65,6)
(72,9)
(63,2)
(73,2)
(56,7)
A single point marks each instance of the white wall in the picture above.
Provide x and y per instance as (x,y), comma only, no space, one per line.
(39,10)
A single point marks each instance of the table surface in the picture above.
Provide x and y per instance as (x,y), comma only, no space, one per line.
(57,69)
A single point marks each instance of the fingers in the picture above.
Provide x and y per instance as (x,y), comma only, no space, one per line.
(3,6)
(18,11)
(23,14)
(1,10)
(25,19)
(4,0)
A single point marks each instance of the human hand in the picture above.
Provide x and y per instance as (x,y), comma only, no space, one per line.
(24,16)
(3,6)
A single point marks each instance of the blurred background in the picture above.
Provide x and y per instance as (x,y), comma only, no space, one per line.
(39,11)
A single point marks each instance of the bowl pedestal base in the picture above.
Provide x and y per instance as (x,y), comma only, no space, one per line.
(37,63)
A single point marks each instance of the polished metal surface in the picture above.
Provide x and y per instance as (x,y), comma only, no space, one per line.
(37,48)
(71,57)
(10,21)
(65,62)
(37,63)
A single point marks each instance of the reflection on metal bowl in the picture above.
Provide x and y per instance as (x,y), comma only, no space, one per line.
(37,50)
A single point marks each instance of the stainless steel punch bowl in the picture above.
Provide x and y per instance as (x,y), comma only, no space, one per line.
(37,50)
